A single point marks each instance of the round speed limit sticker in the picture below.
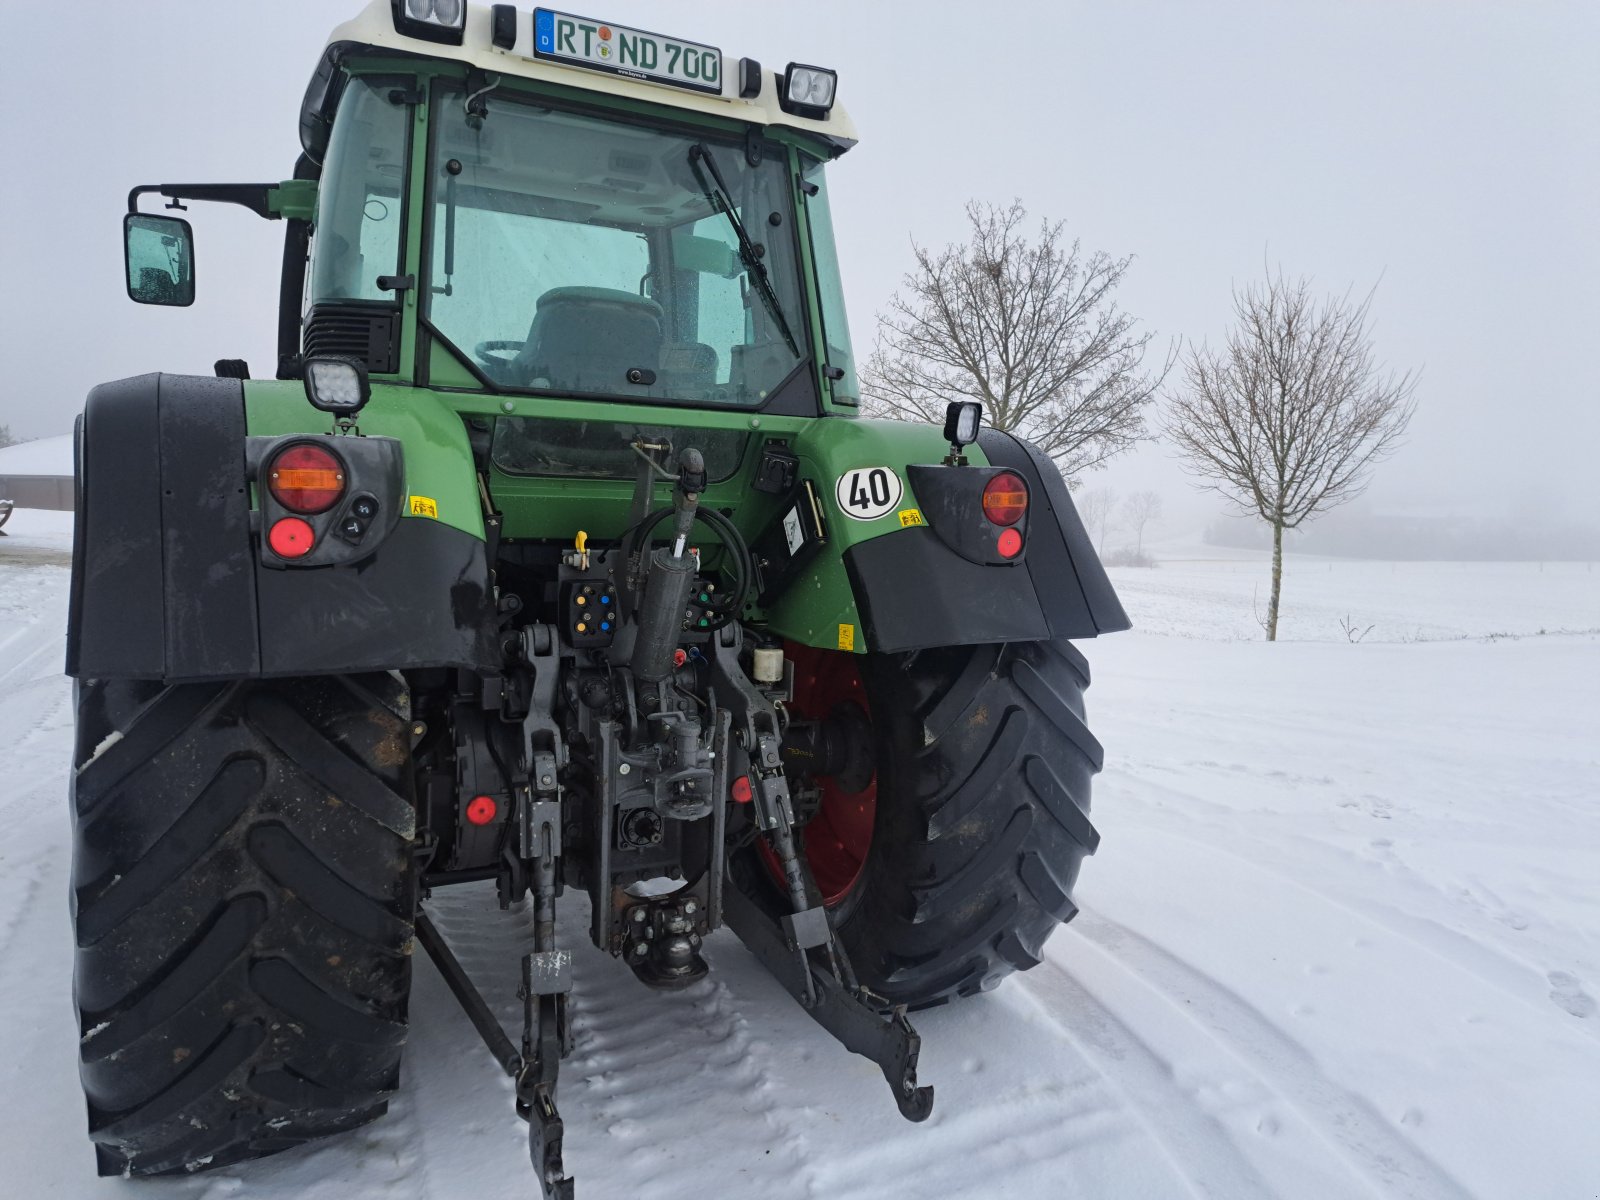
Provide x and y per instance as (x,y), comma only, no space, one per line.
(868,493)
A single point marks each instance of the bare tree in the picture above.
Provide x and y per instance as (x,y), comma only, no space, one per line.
(1095,506)
(1288,419)
(5,436)
(1138,510)
(1030,329)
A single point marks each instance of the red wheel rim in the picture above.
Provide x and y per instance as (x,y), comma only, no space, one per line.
(839,837)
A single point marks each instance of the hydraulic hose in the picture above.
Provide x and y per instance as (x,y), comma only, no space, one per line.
(728,533)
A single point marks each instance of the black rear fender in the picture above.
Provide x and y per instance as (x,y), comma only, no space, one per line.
(943,584)
(170,581)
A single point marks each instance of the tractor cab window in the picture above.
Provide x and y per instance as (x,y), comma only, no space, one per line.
(830,290)
(577,255)
(358,201)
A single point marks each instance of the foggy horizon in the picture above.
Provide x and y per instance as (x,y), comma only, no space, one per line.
(1446,154)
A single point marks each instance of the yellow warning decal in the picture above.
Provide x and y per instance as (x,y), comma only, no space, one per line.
(847,637)
(422,506)
(910,517)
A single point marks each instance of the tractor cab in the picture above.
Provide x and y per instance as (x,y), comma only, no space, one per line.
(526,202)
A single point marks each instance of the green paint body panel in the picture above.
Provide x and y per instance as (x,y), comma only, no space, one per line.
(438,463)
(819,600)
(294,199)
(438,460)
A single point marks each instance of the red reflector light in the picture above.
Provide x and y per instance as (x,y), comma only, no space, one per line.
(306,479)
(481,809)
(291,537)
(1005,499)
(741,790)
(1010,543)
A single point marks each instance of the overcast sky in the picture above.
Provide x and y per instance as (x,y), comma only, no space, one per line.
(1450,148)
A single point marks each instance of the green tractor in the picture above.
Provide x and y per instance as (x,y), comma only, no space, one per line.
(557,555)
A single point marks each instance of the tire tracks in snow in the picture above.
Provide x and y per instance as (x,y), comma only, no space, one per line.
(1516,973)
(1194,1143)
(656,1081)
(33,620)
(33,772)
(35,659)
(49,1154)
(21,899)
(50,720)
(1345,1121)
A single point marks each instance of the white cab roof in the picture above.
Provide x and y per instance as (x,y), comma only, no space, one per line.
(374,26)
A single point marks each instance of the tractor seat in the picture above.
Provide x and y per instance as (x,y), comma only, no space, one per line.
(691,366)
(587,338)
(158,285)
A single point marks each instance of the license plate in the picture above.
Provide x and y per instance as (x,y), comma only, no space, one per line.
(618,50)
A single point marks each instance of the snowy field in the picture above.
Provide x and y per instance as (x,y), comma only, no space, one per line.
(1342,939)
(1218,594)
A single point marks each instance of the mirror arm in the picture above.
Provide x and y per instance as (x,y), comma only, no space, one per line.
(291,286)
(254,196)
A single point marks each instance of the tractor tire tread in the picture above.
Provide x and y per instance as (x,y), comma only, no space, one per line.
(983,822)
(244,893)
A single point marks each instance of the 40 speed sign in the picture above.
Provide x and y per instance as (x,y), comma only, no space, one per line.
(868,493)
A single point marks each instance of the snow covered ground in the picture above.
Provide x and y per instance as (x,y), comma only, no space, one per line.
(1342,938)
(42,456)
(1216,593)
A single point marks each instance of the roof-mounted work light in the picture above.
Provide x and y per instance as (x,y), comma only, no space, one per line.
(808,91)
(432,20)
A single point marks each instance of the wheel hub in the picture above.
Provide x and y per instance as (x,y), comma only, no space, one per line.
(830,742)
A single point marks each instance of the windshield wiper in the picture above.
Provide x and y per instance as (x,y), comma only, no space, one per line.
(717,193)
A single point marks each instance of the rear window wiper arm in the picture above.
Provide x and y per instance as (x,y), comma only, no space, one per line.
(717,193)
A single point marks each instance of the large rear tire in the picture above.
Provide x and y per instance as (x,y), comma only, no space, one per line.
(243,898)
(981,817)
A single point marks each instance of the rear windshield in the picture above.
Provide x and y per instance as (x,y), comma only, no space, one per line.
(574,254)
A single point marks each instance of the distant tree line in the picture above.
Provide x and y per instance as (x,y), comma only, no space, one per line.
(1401,538)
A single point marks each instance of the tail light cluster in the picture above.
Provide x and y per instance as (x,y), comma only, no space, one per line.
(979,512)
(327,499)
(306,478)
(1005,499)
(1005,502)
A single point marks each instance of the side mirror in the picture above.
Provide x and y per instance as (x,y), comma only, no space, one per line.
(160,256)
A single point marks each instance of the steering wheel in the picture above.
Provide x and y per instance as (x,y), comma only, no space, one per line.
(490,355)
